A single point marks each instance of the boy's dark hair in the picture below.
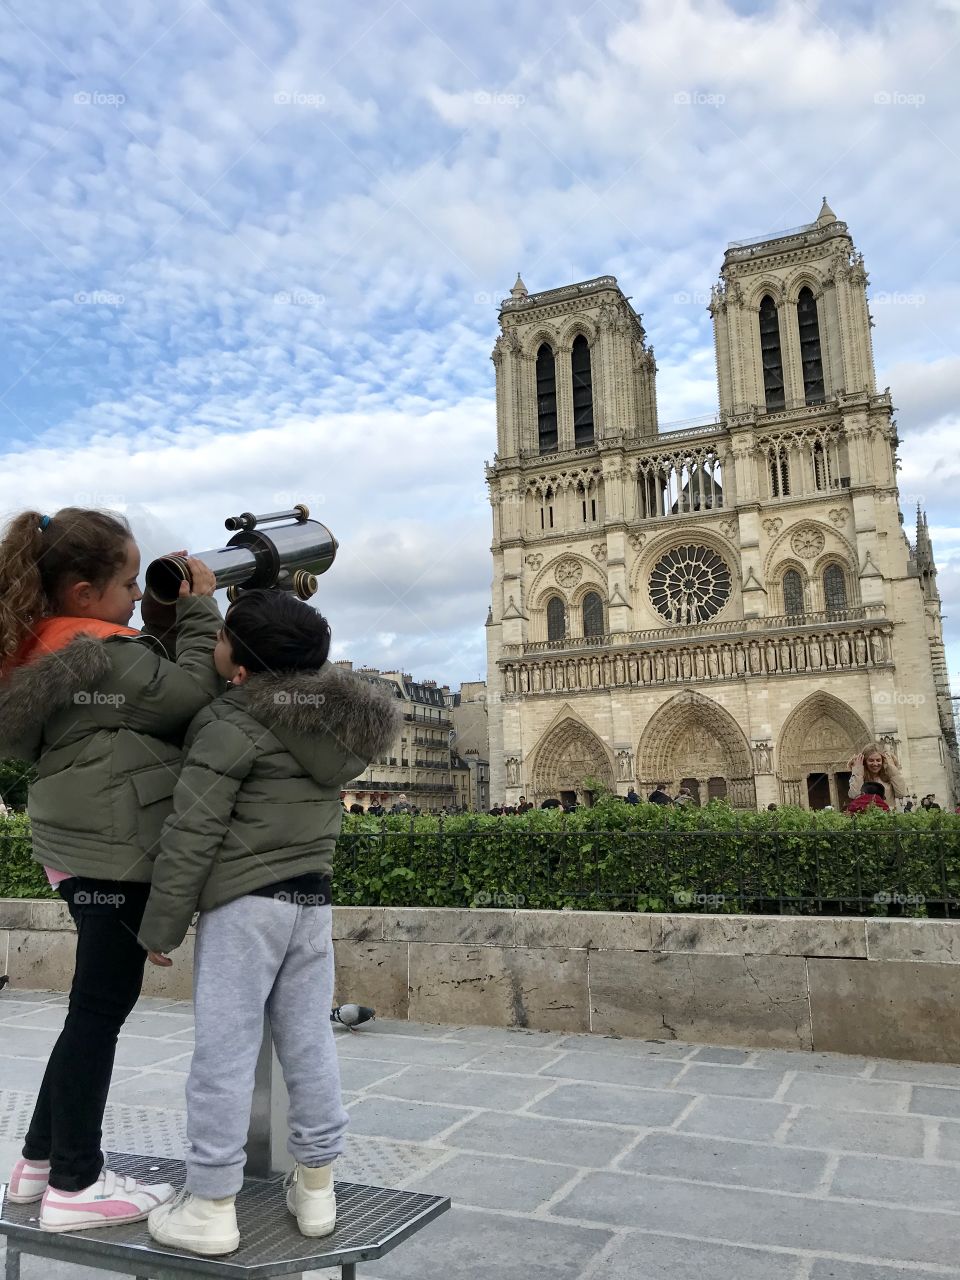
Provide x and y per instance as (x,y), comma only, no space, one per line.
(274,631)
(872,789)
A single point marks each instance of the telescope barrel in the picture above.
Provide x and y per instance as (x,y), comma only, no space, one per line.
(230,565)
(285,556)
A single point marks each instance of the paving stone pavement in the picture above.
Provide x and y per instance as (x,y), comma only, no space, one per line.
(572,1157)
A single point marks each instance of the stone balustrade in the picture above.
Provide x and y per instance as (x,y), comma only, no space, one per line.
(630,662)
(702,631)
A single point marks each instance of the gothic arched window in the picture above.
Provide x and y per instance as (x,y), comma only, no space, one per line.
(779,475)
(822,470)
(556,619)
(592,614)
(770,354)
(546,400)
(810,347)
(834,588)
(792,593)
(582,393)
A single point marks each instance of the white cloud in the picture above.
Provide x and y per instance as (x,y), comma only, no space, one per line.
(422,159)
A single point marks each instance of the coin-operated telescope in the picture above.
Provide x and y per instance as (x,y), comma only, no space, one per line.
(287,555)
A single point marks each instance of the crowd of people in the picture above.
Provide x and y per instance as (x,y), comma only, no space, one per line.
(875,781)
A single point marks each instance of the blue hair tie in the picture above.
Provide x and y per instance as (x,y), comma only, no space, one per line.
(44,521)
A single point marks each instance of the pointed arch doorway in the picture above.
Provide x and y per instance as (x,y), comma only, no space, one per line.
(569,756)
(816,744)
(691,741)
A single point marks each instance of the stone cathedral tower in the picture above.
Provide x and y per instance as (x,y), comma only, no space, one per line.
(733,606)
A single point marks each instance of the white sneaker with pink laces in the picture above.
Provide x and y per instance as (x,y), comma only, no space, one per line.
(28,1181)
(112,1200)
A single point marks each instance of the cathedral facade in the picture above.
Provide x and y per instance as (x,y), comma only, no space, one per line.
(734,607)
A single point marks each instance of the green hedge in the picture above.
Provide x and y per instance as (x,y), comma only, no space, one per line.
(621,857)
(20,876)
(657,858)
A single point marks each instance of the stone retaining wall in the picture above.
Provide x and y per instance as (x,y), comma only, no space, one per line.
(881,987)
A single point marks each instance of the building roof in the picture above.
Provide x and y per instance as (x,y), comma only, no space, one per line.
(527,301)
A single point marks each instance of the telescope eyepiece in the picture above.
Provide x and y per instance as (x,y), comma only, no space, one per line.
(165,576)
(247,520)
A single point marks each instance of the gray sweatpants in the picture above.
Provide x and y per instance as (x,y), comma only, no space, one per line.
(255,954)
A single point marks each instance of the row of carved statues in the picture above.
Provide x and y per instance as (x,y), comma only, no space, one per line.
(790,654)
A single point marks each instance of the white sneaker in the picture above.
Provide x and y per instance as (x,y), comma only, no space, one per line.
(202,1226)
(311,1199)
(28,1181)
(110,1201)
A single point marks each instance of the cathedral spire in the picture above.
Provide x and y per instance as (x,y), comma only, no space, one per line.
(924,543)
(926,565)
(826,214)
(519,290)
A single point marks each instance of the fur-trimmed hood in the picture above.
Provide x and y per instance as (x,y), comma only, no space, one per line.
(301,707)
(31,694)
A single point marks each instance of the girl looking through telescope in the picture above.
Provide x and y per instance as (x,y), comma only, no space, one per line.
(101,710)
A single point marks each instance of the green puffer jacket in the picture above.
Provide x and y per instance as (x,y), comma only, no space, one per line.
(104,722)
(258,799)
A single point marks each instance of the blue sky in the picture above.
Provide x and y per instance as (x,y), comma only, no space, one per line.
(253,253)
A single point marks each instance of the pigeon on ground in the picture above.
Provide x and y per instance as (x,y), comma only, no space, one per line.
(3,981)
(351,1015)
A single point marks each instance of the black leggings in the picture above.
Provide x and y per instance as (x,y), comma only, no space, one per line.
(66,1128)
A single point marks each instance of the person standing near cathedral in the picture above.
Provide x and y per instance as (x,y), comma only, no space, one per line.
(876,765)
(659,795)
(870,797)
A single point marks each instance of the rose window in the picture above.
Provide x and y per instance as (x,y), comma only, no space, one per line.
(690,584)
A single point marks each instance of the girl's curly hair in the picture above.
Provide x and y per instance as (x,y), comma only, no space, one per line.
(36,565)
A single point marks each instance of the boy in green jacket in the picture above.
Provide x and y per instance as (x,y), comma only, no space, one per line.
(250,842)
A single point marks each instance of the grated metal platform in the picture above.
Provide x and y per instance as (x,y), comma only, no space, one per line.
(370,1222)
(163,1132)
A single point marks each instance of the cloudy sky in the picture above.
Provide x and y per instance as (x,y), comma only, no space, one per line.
(254,252)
